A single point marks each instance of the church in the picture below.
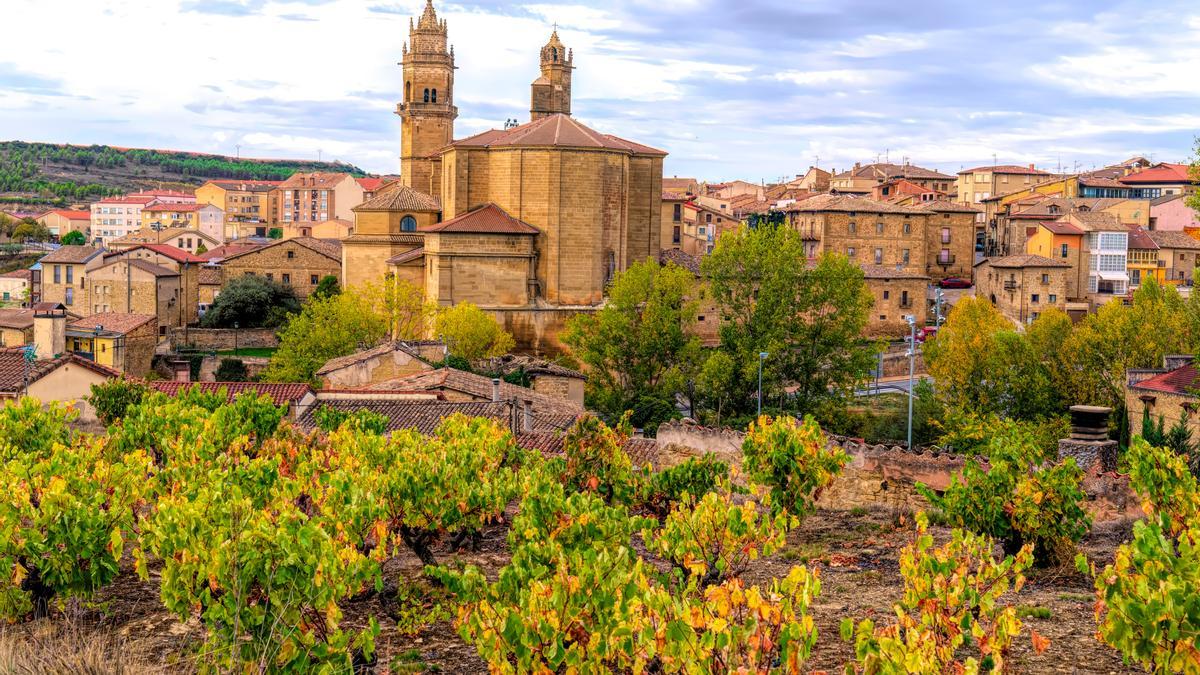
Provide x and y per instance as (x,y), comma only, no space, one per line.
(529,222)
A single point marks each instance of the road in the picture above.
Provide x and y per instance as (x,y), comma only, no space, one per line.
(891,385)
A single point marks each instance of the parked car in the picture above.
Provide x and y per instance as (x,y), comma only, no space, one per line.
(954,282)
(926,333)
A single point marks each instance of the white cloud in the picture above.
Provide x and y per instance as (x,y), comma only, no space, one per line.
(869,46)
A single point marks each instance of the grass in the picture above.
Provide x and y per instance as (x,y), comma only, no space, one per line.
(412,662)
(1076,597)
(805,552)
(263,352)
(1033,612)
(64,651)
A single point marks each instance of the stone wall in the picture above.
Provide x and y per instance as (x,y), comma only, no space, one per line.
(880,476)
(221,339)
(210,364)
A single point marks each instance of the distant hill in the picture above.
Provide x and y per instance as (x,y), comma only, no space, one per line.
(57,174)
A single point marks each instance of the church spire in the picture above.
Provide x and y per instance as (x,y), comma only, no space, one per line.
(429,20)
(551,93)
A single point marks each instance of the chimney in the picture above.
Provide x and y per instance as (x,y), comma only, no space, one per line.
(181,370)
(857,166)
(50,331)
(526,415)
(495,389)
(1089,444)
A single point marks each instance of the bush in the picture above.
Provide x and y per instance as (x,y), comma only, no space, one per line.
(251,301)
(331,419)
(951,601)
(73,238)
(232,370)
(327,286)
(697,476)
(596,459)
(112,398)
(472,333)
(792,459)
(1018,498)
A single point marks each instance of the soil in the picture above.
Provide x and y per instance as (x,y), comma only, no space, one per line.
(855,551)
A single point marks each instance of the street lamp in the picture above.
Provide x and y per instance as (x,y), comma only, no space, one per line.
(762,356)
(912,356)
(939,298)
(235,336)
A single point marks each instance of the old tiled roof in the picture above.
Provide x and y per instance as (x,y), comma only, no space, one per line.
(487,219)
(279,393)
(885,170)
(674,196)
(1060,227)
(397,197)
(225,250)
(408,256)
(425,416)
(1141,240)
(1024,260)
(946,207)
(480,387)
(319,180)
(145,266)
(886,272)
(209,276)
(556,130)
(177,254)
(13,368)
(1100,181)
(1162,173)
(370,184)
(77,254)
(849,204)
(1179,381)
(681,258)
(1094,221)
(18,274)
(71,214)
(641,451)
(246,185)
(113,322)
(326,247)
(1010,169)
(1176,240)
(367,354)
(20,319)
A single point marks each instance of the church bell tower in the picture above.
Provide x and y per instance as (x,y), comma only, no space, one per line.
(427,112)
(551,93)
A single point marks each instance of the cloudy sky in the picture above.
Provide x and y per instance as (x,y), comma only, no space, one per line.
(753,89)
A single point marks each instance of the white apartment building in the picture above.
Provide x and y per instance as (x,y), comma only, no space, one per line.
(116,217)
(1108,256)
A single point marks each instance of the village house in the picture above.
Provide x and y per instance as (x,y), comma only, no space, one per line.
(299,263)
(61,221)
(133,286)
(672,219)
(123,342)
(1061,241)
(1162,180)
(459,385)
(192,241)
(1177,255)
(177,260)
(1142,259)
(681,187)
(380,364)
(864,230)
(1169,394)
(976,185)
(1022,286)
(950,235)
(317,197)
(205,219)
(63,378)
(251,207)
(898,293)
(115,217)
(16,327)
(862,179)
(15,287)
(813,180)
(64,275)
(1172,213)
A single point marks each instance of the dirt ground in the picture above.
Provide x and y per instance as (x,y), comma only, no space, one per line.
(856,553)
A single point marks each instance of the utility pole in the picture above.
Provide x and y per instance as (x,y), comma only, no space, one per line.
(912,356)
(762,356)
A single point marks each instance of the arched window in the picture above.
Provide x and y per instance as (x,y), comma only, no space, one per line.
(408,91)
(427,96)
(434,97)
(408,224)
(554,54)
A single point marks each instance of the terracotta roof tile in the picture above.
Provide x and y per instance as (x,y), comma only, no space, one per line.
(223,251)
(72,254)
(1179,381)
(113,322)
(680,258)
(556,130)
(13,368)
(408,256)
(367,354)
(397,197)
(847,203)
(18,274)
(326,247)
(279,393)
(20,319)
(480,387)
(946,207)
(1140,239)
(1023,260)
(1060,227)
(1162,173)
(1173,240)
(166,250)
(145,266)
(487,219)
(70,214)
(425,416)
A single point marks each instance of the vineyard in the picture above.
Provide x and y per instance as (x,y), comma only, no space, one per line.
(60,174)
(204,535)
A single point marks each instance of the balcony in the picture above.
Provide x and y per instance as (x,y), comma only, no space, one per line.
(1010,285)
(946,260)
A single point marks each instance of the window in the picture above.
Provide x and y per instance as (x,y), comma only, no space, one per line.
(878,256)
(554,54)
(675,235)
(57,274)
(270,276)
(433,98)
(1064,251)
(1053,298)
(427,96)
(1033,299)
(678,215)
(907,228)
(314,280)
(886,294)
(70,296)
(70,274)
(944,256)
(708,217)
(904,256)
(287,278)
(904,299)
(945,235)
(878,228)
(850,252)
(291,255)
(852,227)
(1045,278)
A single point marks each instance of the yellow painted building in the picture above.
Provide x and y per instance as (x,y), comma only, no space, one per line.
(123,342)
(250,207)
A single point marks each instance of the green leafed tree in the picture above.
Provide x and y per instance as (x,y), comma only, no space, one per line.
(639,346)
(251,301)
(327,286)
(326,328)
(73,238)
(808,318)
(471,333)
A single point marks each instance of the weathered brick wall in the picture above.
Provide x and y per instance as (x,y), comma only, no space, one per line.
(961,245)
(221,339)
(302,271)
(1018,303)
(114,289)
(864,237)
(894,299)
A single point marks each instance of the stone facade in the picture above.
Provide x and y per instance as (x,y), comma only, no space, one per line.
(489,270)
(1023,286)
(299,263)
(427,112)
(949,241)
(132,286)
(222,339)
(551,93)
(897,294)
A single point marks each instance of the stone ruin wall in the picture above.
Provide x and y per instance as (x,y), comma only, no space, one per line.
(885,477)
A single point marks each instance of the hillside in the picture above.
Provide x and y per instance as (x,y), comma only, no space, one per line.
(58,174)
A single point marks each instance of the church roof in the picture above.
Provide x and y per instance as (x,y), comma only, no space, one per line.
(487,219)
(556,130)
(397,197)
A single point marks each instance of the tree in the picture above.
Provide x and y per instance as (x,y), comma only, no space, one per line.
(73,238)
(325,329)
(640,345)
(31,230)
(962,356)
(1193,200)
(251,301)
(201,249)
(809,319)
(402,306)
(471,333)
(327,286)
